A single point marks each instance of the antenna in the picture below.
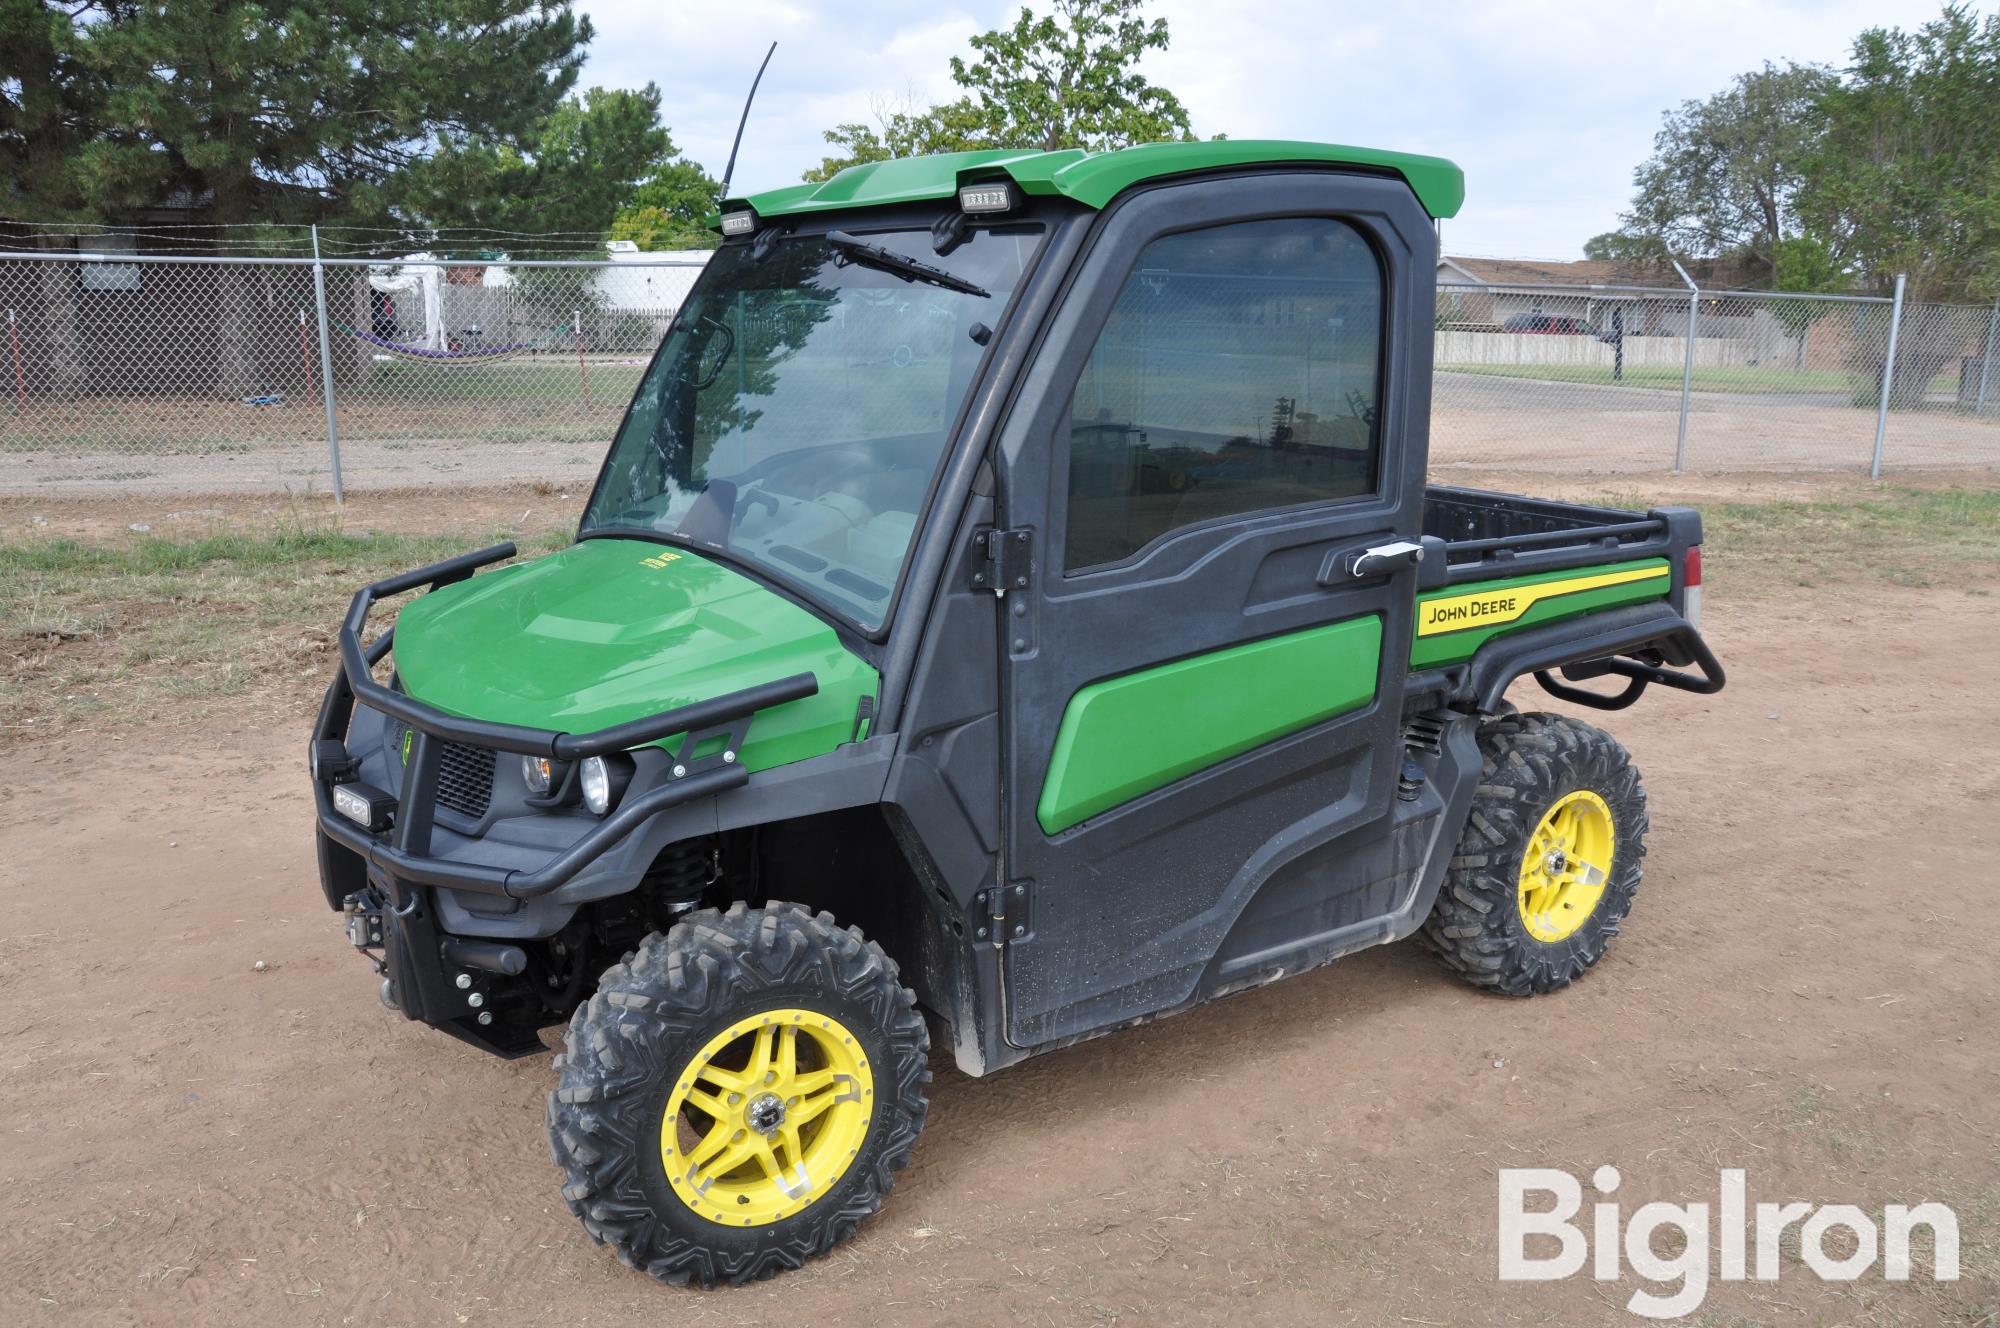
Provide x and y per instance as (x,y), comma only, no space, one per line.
(730,169)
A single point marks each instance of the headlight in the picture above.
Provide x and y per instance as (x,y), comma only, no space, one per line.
(596,778)
(370,808)
(535,774)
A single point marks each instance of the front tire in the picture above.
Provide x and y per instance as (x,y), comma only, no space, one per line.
(735,1096)
(1549,860)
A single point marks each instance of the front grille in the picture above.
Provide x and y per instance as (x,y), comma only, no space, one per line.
(465,779)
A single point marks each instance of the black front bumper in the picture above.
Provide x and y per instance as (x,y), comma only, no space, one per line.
(393,871)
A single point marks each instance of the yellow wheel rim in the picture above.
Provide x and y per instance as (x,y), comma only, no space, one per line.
(1566,866)
(767,1117)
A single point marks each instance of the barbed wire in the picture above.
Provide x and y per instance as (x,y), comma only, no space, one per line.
(266,239)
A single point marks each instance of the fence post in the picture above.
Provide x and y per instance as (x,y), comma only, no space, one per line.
(326,371)
(576,316)
(1986,360)
(1687,368)
(1888,380)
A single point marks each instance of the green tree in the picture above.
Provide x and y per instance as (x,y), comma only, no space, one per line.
(906,130)
(1906,179)
(1070,79)
(59,160)
(1636,250)
(1805,265)
(570,174)
(1726,171)
(1066,79)
(308,112)
(670,210)
(292,112)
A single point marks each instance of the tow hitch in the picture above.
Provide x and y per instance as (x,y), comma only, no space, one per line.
(364,924)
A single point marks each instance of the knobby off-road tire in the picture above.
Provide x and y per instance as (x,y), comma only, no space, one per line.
(737,980)
(1536,767)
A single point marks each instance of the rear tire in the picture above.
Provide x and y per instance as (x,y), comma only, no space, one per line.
(793,1011)
(1549,860)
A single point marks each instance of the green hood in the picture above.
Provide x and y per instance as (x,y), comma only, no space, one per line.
(613,630)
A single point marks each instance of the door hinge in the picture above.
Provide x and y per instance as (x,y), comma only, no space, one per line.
(1001,913)
(1001,560)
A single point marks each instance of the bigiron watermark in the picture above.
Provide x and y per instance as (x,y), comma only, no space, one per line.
(1747,1238)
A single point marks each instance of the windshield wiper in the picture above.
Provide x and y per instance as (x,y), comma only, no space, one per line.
(858,250)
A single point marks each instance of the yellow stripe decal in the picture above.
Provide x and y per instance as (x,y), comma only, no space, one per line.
(1487,608)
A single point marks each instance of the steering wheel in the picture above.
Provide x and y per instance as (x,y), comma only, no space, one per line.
(758,498)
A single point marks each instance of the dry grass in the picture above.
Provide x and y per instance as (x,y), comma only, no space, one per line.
(233,621)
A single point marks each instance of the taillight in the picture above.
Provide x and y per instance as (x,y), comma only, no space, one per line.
(1691,586)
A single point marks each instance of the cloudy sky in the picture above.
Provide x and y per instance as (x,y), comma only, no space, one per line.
(1547,104)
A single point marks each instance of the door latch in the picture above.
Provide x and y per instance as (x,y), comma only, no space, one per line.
(1001,561)
(1382,559)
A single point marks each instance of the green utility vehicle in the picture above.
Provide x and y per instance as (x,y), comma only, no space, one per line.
(1012,608)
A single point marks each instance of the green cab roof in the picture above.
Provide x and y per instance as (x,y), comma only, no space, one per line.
(1092,178)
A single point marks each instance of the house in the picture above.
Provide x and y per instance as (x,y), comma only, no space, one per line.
(1481,294)
(1603,297)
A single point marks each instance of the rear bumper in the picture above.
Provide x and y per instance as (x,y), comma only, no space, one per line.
(1636,643)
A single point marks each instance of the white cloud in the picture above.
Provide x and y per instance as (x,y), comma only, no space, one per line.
(1547,104)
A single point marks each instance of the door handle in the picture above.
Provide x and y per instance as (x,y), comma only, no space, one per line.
(1381,559)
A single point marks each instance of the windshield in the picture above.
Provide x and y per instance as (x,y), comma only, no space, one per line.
(799,406)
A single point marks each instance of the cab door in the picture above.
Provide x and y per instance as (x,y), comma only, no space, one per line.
(1214,497)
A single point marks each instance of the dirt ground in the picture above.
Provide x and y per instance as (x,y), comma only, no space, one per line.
(1806,989)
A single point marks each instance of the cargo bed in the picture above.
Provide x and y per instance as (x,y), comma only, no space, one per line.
(1487,535)
(1511,585)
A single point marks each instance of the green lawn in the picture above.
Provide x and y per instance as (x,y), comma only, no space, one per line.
(1742,378)
(523,378)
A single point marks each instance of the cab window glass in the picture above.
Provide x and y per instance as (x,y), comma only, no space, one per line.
(1238,373)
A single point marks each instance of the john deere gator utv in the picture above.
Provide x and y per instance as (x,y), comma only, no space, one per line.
(1012,608)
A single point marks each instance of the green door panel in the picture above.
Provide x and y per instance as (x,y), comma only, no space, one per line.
(612,630)
(1129,735)
(1452,624)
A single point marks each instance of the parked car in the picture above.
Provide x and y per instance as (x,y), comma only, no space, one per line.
(1554,325)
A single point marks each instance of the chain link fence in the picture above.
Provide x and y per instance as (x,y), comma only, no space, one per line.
(125,372)
(1598,379)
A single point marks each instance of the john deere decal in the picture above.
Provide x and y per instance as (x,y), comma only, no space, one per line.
(1485,608)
